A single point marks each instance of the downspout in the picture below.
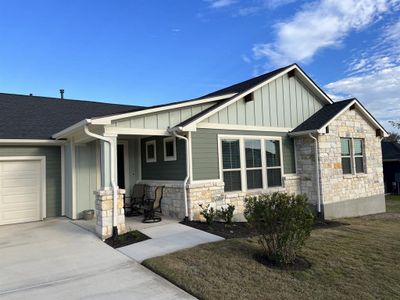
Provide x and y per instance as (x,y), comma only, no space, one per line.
(173,132)
(112,167)
(317,174)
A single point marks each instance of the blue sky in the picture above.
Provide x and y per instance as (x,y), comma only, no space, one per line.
(149,52)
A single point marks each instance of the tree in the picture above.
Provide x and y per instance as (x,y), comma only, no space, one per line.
(394,136)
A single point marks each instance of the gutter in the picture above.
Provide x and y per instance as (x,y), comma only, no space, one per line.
(113,173)
(317,173)
(188,159)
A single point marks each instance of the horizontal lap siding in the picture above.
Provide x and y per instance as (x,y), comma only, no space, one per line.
(53,172)
(205,151)
(164,170)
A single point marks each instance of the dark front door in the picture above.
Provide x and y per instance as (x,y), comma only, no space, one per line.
(121,166)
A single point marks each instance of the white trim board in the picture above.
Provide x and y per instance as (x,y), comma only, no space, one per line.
(242,127)
(42,160)
(31,142)
(135,131)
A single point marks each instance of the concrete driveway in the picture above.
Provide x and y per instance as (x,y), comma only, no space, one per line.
(56,259)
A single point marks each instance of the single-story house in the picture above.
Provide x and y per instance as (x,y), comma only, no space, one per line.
(275,132)
(391,166)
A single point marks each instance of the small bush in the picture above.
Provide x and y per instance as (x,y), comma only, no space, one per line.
(226,213)
(208,213)
(283,222)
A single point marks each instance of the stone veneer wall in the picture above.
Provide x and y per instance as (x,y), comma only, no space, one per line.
(212,192)
(104,213)
(172,203)
(306,168)
(337,187)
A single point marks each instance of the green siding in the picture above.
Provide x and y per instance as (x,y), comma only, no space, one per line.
(205,151)
(53,172)
(164,170)
(86,176)
(68,179)
(284,102)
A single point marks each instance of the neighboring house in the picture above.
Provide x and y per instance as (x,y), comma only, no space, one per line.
(391,166)
(275,132)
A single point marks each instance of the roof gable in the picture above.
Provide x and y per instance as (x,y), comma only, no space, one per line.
(325,116)
(284,102)
(190,124)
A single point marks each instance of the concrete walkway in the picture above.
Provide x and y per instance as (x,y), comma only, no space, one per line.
(56,259)
(167,238)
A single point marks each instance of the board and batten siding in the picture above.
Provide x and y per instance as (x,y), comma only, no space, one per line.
(164,170)
(285,102)
(205,162)
(86,176)
(161,120)
(53,172)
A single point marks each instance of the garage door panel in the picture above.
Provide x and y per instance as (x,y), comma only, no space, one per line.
(23,166)
(20,191)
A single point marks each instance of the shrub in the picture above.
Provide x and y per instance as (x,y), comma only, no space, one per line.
(208,213)
(283,222)
(226,213)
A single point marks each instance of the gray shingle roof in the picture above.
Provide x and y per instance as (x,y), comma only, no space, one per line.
(390,151)
(32,117)
(323,116)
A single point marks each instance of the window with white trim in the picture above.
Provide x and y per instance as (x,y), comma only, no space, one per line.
(274,166)
(231,164)
(352,154)
(169,148)
(151,151)
(259,168)
(253,164)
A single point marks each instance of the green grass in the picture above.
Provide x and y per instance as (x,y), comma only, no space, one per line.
(393,203)
(358,261)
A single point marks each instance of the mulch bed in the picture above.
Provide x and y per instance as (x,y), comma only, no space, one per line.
(236,230)
(126,239)
(244,230)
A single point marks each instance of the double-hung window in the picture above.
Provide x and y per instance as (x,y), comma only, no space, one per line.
(251,163)
(231,164)
(352,153)
(274,168)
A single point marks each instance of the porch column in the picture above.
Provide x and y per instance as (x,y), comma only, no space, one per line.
(109,203)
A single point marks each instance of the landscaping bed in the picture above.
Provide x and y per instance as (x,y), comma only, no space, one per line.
(126,239)
(345,263)
(243,229)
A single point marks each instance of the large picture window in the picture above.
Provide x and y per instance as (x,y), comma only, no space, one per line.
(231,165)
(352,153)
(250,163)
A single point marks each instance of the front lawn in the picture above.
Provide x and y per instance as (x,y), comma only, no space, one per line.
(356,261)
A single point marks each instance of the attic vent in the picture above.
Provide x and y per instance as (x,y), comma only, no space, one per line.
(379,133)
(249,97)
(352,107)
(291,73)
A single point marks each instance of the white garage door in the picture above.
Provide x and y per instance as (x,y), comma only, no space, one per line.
(20,190)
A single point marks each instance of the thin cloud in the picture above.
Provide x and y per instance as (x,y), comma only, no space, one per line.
(319,25)
(220,3)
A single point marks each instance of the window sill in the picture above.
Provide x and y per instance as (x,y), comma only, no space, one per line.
(351,176)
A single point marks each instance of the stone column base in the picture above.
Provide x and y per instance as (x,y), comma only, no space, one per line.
(104,213)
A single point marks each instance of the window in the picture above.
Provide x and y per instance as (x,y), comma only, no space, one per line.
(273,157)
(151,151)
(346,155)
(231,165)
(249,163)
(253,164)
(170,148)
(352,151)
(359,155)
